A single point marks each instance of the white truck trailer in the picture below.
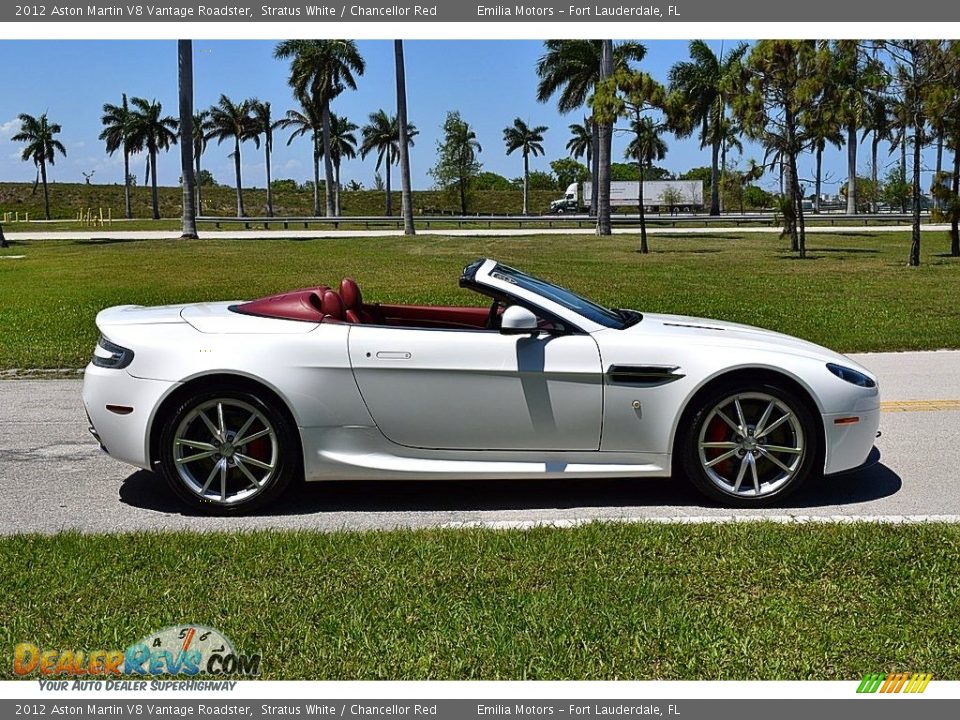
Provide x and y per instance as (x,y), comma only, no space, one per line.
(658,196)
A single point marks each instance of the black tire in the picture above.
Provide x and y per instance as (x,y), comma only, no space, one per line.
(284,454)
(811,440)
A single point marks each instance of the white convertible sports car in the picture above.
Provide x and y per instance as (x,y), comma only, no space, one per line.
(231,401)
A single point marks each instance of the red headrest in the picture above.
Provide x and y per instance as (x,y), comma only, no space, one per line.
(350,293)
(332,305)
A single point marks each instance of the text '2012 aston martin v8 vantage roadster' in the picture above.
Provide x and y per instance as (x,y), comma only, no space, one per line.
(231,401)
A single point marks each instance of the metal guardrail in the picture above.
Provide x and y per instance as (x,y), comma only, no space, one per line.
(564,220)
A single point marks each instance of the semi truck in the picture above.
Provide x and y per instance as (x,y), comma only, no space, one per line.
(658,196)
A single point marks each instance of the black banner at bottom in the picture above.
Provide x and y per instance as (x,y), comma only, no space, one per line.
(868,707)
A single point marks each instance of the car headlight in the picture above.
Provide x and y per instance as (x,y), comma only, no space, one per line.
(111,355)
(852,376)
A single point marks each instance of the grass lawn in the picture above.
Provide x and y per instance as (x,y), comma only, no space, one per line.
(603,601)
(854,293)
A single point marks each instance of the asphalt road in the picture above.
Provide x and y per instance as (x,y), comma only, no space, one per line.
(53,476)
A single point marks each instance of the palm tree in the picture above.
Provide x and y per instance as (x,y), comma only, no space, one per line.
(580,143)
(406,194)
(201,126)
(321,69)
(152,131)
(878,122)
(343,144)
(382,135)
(702,84)
(265,125)
(646,148)
(529,141)
(571,70)
(188,179)
(308,122)
(117,123)
(230,120)
(821,126)
(38,133)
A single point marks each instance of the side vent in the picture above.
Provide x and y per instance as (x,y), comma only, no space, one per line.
(644,375)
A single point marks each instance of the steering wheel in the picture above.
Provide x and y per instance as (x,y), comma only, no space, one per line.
(492,316)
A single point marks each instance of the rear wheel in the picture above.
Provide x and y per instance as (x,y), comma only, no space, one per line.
(228,451)
(751,445)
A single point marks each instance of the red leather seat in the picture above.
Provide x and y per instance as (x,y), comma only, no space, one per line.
(353,302)
(332,306)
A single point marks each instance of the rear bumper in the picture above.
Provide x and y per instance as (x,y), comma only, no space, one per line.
(849,445)
(124,437)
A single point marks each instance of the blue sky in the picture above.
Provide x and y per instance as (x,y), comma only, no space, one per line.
(490,82)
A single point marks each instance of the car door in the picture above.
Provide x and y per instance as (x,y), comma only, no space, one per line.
(480,390)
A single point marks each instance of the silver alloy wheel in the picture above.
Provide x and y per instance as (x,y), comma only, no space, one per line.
(225,451)
(751,444)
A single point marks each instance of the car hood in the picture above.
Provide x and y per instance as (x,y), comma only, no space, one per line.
(704,331)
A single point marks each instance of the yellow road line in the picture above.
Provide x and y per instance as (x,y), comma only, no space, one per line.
(919,405)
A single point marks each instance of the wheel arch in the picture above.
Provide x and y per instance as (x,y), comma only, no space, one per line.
(212,381)
(775,376)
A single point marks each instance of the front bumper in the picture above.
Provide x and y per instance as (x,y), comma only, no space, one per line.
(849,445)
(124,437)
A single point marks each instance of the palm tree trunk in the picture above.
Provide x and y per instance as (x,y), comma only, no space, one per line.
(188,181)
(236,169)
(3,240)
(336,180)
(816,180)
(915,234)
(790,213)
(127,204)
(316,177)
(462,185)
(526,181)
(389,204)
(852,169)
(327,162)
(903,166)
(955,216)
(406,195)
(269,181)
(605,146)
(873,171)
(801,229)
(715,177)
(46,196)
(643,219)
(196,164)
(939,159)
(153,185)
(594,165)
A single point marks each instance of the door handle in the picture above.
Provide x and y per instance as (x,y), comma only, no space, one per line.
(393,355)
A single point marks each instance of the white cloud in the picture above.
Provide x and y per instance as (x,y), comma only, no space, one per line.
(291,165)
(7,129)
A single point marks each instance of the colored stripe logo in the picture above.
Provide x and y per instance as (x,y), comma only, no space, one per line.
(894,683)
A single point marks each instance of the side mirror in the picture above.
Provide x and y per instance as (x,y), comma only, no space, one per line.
(517,320)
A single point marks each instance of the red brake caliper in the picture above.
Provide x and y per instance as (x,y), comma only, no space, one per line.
(718,431)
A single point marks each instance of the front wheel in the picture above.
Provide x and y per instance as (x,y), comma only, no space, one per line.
(228,451)
(750,445)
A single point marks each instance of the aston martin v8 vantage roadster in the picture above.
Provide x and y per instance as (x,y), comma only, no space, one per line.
(231,401)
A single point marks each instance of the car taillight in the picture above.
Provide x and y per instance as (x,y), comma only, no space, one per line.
(111,355)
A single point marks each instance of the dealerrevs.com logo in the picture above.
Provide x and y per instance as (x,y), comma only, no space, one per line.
(909,683)
(176,650)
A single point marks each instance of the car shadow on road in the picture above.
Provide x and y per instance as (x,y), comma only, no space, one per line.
(148,491)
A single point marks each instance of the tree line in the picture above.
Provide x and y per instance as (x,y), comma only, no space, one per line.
(790,96)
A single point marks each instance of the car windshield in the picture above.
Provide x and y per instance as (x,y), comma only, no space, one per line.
(570,300)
